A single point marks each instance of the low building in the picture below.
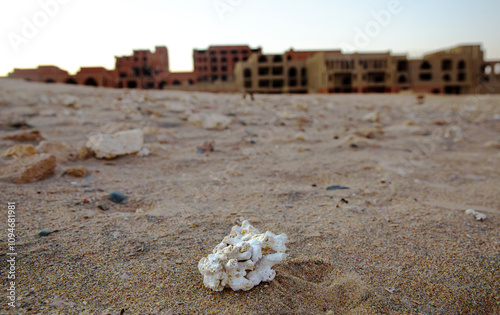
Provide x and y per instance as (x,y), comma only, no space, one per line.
(46,73)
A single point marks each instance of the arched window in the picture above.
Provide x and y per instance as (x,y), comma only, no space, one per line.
(49,80)
(425,65)
(402,79)
(70,81)
(176,82)
(292,72)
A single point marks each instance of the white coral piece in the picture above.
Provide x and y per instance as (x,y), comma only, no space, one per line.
(479,216)
(241,261)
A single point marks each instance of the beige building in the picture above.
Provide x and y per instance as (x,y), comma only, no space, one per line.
(460,70)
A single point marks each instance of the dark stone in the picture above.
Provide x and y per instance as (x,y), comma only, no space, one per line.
(117,197)
(336,187)
(103,206)
(44,233)
(314,185)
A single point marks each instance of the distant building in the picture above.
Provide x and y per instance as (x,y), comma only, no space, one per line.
(217,62)
(231,68)
(459,70)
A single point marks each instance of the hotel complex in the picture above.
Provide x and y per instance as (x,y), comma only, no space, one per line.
(460,70)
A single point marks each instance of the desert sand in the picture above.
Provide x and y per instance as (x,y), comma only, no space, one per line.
(397,241)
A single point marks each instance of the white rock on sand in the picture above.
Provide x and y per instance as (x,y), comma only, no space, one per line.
(108,146)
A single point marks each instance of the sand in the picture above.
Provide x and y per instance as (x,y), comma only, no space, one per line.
(397,241)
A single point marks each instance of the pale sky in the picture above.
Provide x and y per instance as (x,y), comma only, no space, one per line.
(74,33)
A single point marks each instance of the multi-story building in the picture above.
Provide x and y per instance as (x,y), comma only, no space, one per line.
(455,71)
(284,73)
(217,62)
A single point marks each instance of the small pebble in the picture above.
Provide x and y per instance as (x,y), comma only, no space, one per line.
(336,187)
(103,206)
(117,197)
(44,232)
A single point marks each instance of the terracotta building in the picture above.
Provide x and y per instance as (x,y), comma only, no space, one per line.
(217,62)
(48,74)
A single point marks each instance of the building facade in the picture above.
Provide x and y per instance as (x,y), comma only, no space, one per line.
(217,62)
(459,70)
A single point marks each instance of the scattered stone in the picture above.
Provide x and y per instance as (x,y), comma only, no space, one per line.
(108,146)
(216,122)
(103,207)
(372,117)
(208,146)
(44,233)
(77,171)
(301,136)
(29,169)
(84,153)
(492,144)
(25,136)
(411,123)
(479,216)
(69,100)
(357,141)
(420,99)
(117,197)
(143,152)
(20,151)
(61,151)
(369,133)
(336,187)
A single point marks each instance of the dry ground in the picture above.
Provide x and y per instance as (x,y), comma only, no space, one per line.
(397,241)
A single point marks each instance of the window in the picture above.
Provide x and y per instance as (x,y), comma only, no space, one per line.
(223,68)
(425,76)
(223,59)
(234,52)
(236,59)
(123,75)
(245,58)
(213,60)
(446,64)
(402,79)
(247,73)
(461,77)
(461,64)
(148,71)
(278,83)
(214,69)
(248,84)
(292,82)
(176,82)
(264,83)
(263,71)
(262,58)
(212,52)
(446,78)
(277,70)
(137,71)
(402,65)
(150,85)
(214,77)
(223,78)
(303,72)
(425,65)
(190,82)
(292,72)
(277,59)
(223,52)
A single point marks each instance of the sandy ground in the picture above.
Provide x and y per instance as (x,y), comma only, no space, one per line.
(397,241)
